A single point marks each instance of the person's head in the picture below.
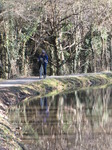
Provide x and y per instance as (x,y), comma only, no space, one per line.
(43,52)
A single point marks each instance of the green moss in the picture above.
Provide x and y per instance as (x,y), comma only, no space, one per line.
(48,88)
(57,85)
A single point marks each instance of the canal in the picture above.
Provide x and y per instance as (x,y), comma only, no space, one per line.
(75,120)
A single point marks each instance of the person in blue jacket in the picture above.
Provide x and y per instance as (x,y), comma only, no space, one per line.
(43,59)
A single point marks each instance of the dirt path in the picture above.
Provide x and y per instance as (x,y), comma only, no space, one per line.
(27,80)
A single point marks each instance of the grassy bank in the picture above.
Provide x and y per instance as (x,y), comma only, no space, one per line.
(13,95)
(53,85)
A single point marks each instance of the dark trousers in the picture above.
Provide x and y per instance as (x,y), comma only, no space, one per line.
(44,67)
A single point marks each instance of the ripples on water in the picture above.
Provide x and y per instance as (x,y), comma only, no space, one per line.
(80,120)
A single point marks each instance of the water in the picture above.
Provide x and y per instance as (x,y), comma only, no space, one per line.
(78,120)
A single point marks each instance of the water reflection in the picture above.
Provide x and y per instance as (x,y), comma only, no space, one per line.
(75,121)
(44,110)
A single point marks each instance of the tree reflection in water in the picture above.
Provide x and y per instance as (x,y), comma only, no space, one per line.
(75,121)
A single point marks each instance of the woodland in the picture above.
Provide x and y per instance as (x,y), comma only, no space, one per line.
(76,35)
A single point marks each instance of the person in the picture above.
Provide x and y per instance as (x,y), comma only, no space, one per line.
(43,61)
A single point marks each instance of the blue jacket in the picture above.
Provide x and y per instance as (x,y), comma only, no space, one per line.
(45,58)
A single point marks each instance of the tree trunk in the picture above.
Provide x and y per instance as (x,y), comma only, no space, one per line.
(23,59)
(7,52)
(62,67)
(110,49)
(52,67)
(56,59)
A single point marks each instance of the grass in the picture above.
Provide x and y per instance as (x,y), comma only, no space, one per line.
(48,87)
(58,85)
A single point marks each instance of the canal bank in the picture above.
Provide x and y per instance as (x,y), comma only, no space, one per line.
(13,95)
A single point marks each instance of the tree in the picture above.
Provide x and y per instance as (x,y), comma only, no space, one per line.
(76,36)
